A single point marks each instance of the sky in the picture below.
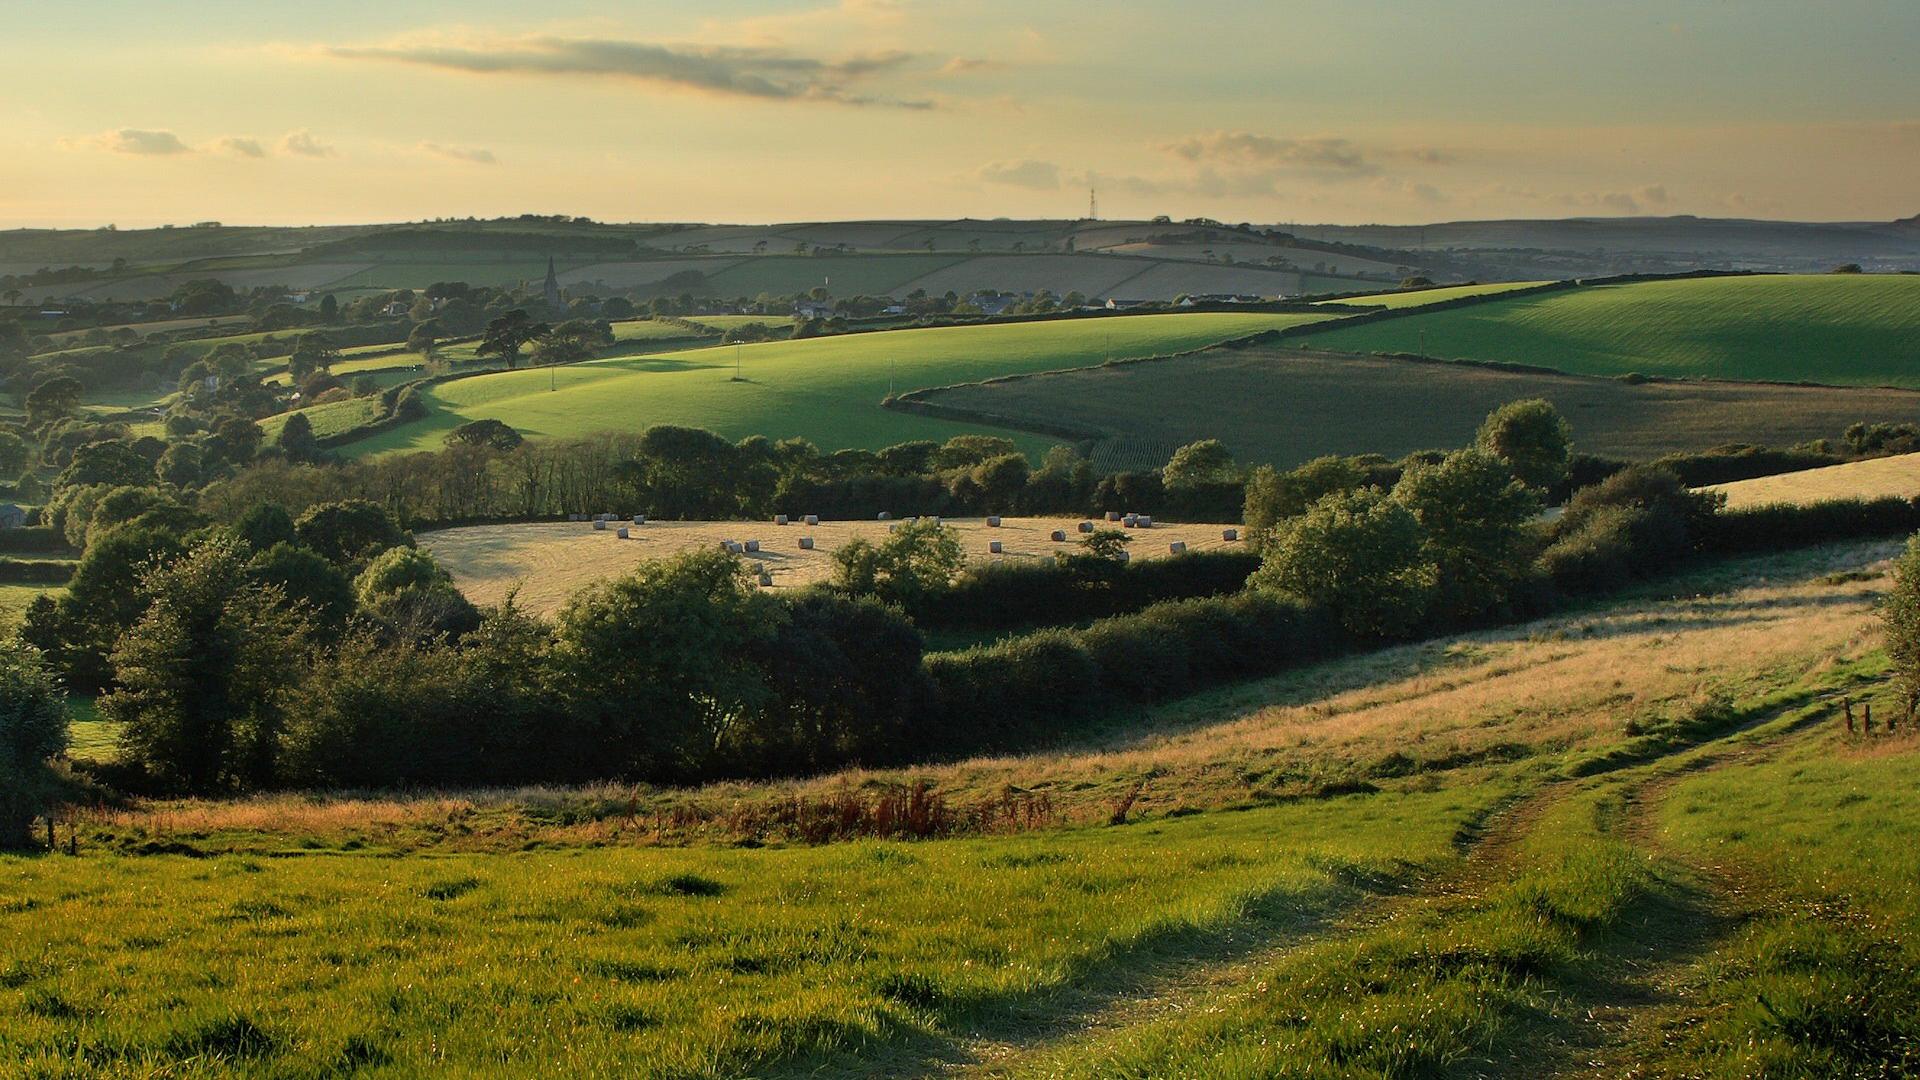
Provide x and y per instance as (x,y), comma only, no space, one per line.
(144,112)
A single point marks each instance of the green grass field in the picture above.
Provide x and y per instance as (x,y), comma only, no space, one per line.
(825,389)
(1423,297)
(1283,407)
(1496,854)
(14,599)
(1841,329)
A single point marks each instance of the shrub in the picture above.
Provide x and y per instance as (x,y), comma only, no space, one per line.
(1530,438)
(1900,611)
(33,728)
(350,532)
(1359,555)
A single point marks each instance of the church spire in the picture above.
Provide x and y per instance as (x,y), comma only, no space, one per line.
(552,287)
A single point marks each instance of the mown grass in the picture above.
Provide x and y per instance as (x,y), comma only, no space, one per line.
(656,962)
(1841,329)
(825,389)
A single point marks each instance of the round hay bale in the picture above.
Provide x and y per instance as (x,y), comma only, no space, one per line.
(1178,547)
(806,543)
(779,519)
(639,519)
(993,523)
(995,547)
(1113,515)
(1086,526)
(621,532)
(813,519)
(600,524)
(1230,535)
(885,516)
(753,545)
(1059,536)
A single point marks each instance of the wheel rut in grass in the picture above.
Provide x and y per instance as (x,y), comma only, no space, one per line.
(1488,844)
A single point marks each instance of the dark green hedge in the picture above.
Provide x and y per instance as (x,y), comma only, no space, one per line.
(1010,595)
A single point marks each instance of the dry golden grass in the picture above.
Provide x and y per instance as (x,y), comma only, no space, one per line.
(548,561)
(1565,684)
(1870,479)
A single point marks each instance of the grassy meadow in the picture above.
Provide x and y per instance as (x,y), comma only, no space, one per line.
(1285,406)
(1444,858)
(1840,329)
(825,389)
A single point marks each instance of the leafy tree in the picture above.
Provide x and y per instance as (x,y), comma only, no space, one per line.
(508,334)
(1473,516)
(349,532)
(424,336)
(203,673)
(684,472)
(15,453)
(264,525)
(1274,496)
(658,666)
(305,577)
(329,308)
(1530,438)
(1358,554)
(53,399)
(909,458)
(914,563)
(994,485)
(412,598)
(313,352)
(180,465)
(33,728)
(844,675)
(1107,545)
(296,439)
(108,461)
(1205,462)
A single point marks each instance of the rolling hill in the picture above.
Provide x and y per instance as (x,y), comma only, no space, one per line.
(825,389)
(1839,329)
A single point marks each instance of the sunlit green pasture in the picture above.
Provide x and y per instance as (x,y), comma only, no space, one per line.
(825,389)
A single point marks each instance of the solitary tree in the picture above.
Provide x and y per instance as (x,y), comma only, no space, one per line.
(1205,462)
(1901,613)
(1357,553)
(508,334)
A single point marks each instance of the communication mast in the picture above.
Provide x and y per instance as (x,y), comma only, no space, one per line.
(1093,205)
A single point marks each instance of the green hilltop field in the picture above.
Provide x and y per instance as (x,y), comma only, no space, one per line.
(1843,329)
(826,389)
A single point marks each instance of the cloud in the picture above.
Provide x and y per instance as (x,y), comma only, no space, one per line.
(767,74)
(303,143)
(133,141)
(961,65)
(1625,202)
(473,155)
(1039,175)
(1242,150)
(240,146)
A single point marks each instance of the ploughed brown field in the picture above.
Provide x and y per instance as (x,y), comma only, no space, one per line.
(547,561)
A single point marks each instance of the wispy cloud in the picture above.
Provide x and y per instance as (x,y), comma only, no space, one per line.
(767,74)
(240,146)
(303,144)
(138,141)
(1242,150)
(472,155)
(1026,173)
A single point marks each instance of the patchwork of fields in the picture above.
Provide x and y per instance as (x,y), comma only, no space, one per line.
(1285,406)
(824,389)
(1840,329)
(547,562)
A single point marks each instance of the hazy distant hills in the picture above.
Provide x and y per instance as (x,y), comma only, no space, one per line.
(1150,260)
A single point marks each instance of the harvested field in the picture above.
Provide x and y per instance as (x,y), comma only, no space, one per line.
(1898,475)
(549,560)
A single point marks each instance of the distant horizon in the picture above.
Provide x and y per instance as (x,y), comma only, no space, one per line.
(772,222)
